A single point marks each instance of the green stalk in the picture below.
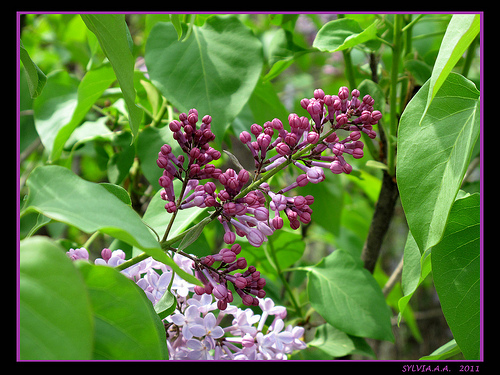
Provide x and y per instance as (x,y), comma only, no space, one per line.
(393,126)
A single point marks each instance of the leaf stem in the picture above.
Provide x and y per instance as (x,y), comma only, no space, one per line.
(282,277)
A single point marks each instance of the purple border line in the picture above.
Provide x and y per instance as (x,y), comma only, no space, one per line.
(481,139)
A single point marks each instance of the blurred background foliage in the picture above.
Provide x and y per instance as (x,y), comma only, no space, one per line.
(343,205)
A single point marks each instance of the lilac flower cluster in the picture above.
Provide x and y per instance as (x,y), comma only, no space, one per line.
(215,281)
(352,115)
(305,145)
(193,331)
(311,145)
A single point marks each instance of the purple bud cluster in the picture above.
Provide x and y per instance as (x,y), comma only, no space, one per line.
(312,145)
(193,141)
(352,115)
(215,281)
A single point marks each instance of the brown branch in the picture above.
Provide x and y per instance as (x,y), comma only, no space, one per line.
(384,209)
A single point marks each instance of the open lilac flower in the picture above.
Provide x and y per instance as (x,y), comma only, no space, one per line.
(194,331)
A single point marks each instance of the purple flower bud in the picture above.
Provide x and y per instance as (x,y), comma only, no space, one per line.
(208,260)
(166,149)
(319,94)
(261,213)
(355,93)
(229,208)
(315,175)
(277,222)
(277,124)
(302,180)
(243,176)
(342,119)
(343,93)
(175,126)
(291,139)
(245,137)
(312,137)
(283,149)
(376,115)
(220,291)
(255,237)
(192,118)
(355,135)
(106,254)
(164,181)
(227,256)
(357,153)
(299,201)
(229,238)
(238,281)
(207,119)
(263,140)
(223,195)
(336,167)
(294,121)
(305,217)
(304,103)
(294,224)
(247,341)
(346,168)
(247,300)
(256,129)
(162,162)
(170,207)
(338,148)
(194,153)
(368,100)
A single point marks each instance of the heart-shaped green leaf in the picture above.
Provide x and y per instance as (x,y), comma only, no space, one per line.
(456,271)
(348,297)
(126,325)
(55,312)
(214,70)
(60,194)
(433,156)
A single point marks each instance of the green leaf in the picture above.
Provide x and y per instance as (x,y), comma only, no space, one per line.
(348,297)
(148,144)
(118,192)
(337,343)
(193,233)
(215,70)
(176,21)
(55,312)
(456,273)
(126,324)
(443,352)
(35,77)
(58,193)
(114,38)
(433,157)
(62,107)
(461,31)
(342,34)
(166,305)
(55,107)
(416,267)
